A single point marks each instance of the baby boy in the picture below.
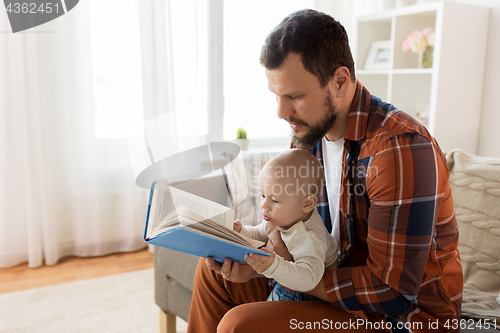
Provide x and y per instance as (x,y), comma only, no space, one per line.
(289,185)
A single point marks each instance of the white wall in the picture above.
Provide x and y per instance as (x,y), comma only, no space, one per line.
(489,137)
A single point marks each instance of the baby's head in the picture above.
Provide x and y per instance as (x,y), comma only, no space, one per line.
(289,185)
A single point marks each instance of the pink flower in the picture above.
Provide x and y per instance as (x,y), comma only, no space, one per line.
(431,38)
(418,41)
(426,32)
(406,45)
(418,44)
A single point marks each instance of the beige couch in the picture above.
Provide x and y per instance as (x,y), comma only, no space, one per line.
(475,183)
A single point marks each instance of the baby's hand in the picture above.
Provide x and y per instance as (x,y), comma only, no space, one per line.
(237,226)
(258,262)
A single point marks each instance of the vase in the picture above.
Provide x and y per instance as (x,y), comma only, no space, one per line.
(243,143)
(425,58)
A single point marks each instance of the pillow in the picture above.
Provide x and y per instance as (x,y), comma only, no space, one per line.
(475,184)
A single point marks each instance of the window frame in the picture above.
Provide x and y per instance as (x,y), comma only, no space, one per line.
(215,131)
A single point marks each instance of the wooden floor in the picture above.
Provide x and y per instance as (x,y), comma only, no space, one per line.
(72,269)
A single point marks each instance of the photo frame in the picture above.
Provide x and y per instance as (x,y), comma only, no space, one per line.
(379,56)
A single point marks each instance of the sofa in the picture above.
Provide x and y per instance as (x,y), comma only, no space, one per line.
(475,183)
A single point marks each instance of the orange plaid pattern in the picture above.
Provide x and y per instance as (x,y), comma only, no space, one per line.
(399,263)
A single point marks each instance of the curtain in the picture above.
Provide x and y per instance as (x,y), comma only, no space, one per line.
(174,63)
(174,76)
(63,191)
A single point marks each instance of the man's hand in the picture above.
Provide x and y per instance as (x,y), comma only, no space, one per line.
(258,262)
(232,271)
(319,291)
(278,246)
(237,226)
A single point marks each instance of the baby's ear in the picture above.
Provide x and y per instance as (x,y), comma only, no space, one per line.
(309,203)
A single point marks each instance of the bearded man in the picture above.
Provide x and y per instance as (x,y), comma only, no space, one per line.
(387,201)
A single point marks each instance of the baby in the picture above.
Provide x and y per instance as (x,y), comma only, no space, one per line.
(289,185)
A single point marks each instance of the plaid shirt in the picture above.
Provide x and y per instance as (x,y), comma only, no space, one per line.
(398,233)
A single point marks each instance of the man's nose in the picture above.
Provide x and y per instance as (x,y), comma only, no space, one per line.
(285,108)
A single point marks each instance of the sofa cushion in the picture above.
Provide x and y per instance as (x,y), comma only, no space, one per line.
(174,277)
(178,266)
(475,183)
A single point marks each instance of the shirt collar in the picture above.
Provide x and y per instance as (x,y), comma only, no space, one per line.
(358,114)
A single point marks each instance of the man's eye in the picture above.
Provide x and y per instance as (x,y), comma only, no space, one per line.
(275,201)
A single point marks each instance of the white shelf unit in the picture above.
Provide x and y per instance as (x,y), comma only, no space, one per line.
(452,89)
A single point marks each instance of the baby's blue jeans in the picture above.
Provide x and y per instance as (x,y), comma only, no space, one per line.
(280,293)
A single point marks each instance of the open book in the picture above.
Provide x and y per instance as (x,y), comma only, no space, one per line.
(182,221)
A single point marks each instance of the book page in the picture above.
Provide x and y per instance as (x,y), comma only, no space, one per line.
(255,244)
(206,208)
(160,206)
(166,199)
(209,226)
(187,218)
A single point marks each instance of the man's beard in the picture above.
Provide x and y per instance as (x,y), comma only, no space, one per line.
(316,132)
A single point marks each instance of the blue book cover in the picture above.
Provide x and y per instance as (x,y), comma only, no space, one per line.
(171,223)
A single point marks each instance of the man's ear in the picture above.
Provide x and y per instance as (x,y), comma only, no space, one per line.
(309,203)
(339,83)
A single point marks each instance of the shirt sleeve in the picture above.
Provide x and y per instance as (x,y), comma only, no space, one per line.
(403,185)
(259,232)
(305,272)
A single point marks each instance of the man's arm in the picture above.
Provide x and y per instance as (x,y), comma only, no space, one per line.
(320,291)
(404,184)
(307,269)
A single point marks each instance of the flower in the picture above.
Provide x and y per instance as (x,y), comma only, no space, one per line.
(418,41)
(426,32)
(430,39)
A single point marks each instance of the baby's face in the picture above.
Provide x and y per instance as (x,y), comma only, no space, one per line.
(281,201)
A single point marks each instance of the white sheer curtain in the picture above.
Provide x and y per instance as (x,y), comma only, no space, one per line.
(174,74)
(174,62)
(63,191)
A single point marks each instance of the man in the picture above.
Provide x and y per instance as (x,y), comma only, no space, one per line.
(400,268)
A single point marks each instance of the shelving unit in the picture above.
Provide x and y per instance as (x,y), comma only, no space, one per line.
(451,91)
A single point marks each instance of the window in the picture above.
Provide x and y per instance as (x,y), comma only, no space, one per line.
(247,101)
(239,97)
(188,21)
(116,63)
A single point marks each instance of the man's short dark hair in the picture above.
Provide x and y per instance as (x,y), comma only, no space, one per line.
(318,38)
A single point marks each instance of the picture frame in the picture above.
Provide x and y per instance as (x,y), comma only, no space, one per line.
(379,56)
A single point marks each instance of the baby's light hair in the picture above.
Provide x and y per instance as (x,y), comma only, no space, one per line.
(300,166)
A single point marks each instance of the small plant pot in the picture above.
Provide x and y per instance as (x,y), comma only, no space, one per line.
(243,143)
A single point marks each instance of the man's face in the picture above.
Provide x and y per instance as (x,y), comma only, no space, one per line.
(302,102)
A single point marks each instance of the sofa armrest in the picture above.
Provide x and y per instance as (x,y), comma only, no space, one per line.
(174,277)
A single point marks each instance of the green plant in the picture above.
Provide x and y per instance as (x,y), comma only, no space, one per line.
(241,133)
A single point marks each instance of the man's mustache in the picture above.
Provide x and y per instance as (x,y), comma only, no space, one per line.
(296,121)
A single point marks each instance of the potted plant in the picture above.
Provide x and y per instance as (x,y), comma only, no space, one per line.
(241,138)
